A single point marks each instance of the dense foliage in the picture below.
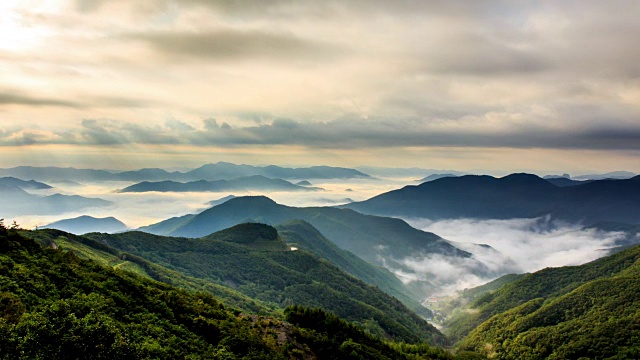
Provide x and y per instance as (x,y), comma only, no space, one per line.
(326,332)
(546,283)
(259,269)
(55,305)
(377,240)
(303,235)
(587,311)
(108,256)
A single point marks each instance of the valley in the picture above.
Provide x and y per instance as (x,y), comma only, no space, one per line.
(389,276)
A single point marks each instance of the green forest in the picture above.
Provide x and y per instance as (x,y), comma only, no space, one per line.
(591,311)
(56,305)
(244,293)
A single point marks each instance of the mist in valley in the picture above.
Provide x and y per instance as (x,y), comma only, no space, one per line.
(503,247)
(498,246)
(145,208)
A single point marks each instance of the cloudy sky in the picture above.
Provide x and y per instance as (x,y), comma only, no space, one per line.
(498,85)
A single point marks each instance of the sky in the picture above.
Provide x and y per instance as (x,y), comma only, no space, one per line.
(540,86)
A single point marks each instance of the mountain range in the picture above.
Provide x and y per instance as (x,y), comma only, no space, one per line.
(512,196)
(382,241)
(209,172)
(250,183)
(16,202)
(24,184)
(256,262)
(56,303)
(609,175)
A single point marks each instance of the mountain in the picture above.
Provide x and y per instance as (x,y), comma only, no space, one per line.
(18,202)
(224,170)
(364,235)
(221,200)
(378,240)
(413,172)
(78,308)
(50,173)
(23,184)
(300,234)
(65,182)
(253,260)
(587,311)
(85,224)
(251,183)
(303,183)
(210,172)
(562,181)
(565,176)
(106,255)
(609,175)
(512,196)
(629,233)
(148,174)
(435,177)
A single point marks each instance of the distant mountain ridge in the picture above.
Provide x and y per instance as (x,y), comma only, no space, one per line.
(209,172)
(436,177)
(85,224)
(24,184)
(16,202)
(250,183)
(224,170)
(381,241)
(512,196)
(609,175)
(350,230)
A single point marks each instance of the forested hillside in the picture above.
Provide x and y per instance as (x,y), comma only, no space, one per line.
(55,305)
(249,259)
(590,311)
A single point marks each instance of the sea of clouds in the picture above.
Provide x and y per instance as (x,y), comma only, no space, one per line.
(514,246)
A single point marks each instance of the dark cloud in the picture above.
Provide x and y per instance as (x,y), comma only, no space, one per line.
(365,8)
(7,98)
(93,132)
(178,125)
(89,5)
(346,133)
(17,97)
(482,55)
(116,102)
(233,44)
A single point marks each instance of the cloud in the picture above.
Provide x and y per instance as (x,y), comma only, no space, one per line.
(517,245)
(94,131)
(348,75)
(22,99)
(232,44)
(178,125)
(346,133)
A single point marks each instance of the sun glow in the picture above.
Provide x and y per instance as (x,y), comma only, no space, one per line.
(20,29)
